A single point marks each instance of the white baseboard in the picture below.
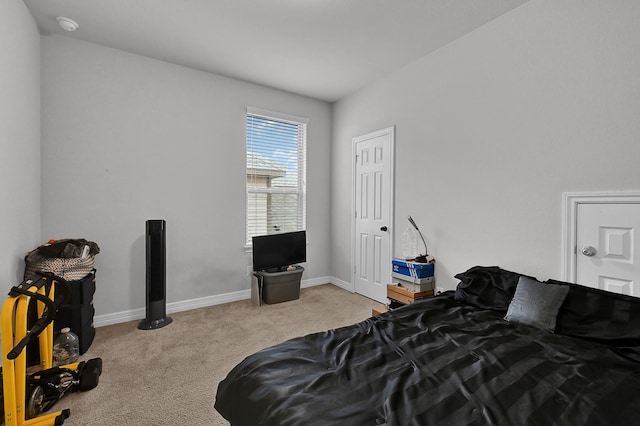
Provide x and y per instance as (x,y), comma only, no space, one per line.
(203,302)
(343,284)
(315,281)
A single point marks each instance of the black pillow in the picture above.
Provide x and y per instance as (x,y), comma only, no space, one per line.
(599,315)
(487,287)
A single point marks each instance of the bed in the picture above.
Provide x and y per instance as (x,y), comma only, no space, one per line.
(503,349)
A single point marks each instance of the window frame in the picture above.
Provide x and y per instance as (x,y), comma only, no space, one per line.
(300,189)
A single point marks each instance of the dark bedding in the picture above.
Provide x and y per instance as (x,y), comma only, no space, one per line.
(439,361)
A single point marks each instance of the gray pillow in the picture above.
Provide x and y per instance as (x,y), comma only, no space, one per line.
(536,304)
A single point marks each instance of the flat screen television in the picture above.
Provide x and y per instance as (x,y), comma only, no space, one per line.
(275,252)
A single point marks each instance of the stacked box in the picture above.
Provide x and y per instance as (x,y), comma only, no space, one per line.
(404,296)
(413,275)
(414,284)
(412,269)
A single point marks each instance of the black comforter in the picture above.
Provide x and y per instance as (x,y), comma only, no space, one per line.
(435,362)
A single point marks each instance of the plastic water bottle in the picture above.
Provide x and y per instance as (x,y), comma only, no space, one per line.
(65,349)
(409,244)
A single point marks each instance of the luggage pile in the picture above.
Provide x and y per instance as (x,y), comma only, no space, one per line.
(74,261)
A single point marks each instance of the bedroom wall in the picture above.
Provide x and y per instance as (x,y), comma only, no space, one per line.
(127,138)
(19,139)
(494,127)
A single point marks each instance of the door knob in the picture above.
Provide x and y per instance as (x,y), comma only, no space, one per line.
(383,228)
(589,251)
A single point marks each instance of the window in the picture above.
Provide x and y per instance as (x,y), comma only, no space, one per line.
(276,169)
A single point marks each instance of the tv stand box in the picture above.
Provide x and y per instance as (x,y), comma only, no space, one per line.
(276,287)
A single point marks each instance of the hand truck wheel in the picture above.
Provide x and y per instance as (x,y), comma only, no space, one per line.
(35,402)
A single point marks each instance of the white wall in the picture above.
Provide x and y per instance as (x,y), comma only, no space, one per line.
(127,138)
(19,139)
(492,128)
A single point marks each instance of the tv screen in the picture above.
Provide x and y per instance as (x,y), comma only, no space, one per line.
(277,251)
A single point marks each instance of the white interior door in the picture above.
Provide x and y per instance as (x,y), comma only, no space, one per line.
(606,252)
(373,213)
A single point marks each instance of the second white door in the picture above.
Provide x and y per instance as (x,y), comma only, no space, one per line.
(373,213)
(607,256)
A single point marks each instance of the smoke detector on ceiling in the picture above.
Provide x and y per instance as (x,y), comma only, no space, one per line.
(67,24)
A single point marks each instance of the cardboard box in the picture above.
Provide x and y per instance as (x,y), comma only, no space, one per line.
(404,295)
(419,281)
(378,311)
(414,284)
(412,269)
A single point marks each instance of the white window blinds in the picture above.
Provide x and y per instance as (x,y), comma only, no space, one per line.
(276,169)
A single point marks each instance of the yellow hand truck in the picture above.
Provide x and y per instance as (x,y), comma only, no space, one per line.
(27,395)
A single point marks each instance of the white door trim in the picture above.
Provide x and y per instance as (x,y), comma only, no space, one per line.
(354,142)
(571,201)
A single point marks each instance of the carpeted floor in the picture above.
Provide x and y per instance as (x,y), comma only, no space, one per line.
(169,376)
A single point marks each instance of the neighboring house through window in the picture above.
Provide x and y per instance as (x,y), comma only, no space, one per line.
(276,172)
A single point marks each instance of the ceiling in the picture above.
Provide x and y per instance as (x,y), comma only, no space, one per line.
(324,49)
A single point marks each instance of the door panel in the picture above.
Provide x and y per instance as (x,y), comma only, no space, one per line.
(363,268)
(606,254)
(373,213)
(616,285)
(364,196)
(378,201)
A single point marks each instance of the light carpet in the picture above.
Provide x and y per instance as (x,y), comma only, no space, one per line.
(169,376)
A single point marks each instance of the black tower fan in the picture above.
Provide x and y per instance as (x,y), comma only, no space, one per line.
(156,277)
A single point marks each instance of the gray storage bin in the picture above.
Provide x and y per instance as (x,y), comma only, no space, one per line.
(280,286)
